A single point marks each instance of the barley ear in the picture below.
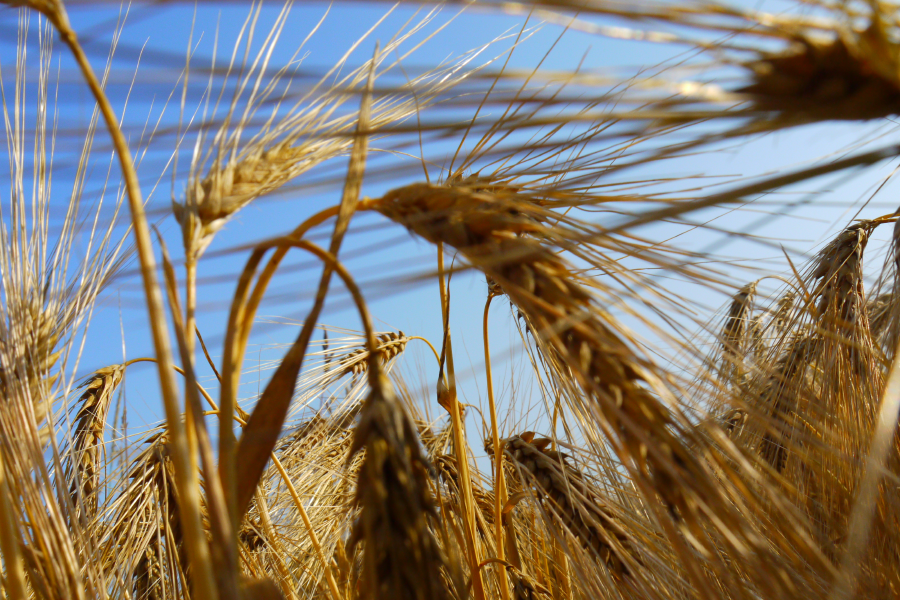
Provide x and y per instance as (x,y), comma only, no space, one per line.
(87,447)
(401,557)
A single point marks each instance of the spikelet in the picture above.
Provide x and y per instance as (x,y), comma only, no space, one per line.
(401,557)
(28,355)
(250,535)
(390,345)
(879,310)
(782,312)
(87,446)
(840,65)
(147,584)
(884,308)
(143,545)
(785,383)
(571,501)
(833,345)
(843,385)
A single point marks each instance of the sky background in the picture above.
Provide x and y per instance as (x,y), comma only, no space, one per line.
(392,267)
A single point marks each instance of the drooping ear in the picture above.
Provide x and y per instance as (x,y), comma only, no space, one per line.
(527,437)
(542,443)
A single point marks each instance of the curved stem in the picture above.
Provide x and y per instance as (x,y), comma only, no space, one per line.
(243,310)
(430,345)
(260,426)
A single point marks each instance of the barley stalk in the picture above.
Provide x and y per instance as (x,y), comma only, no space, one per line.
(186,475)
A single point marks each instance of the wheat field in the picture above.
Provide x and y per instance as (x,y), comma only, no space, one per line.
(650,302)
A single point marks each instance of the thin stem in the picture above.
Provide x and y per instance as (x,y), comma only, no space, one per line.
(243,310)
(459,441)
(430,345)
(14,579)
(499,479)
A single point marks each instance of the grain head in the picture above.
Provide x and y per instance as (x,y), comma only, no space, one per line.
(400,553)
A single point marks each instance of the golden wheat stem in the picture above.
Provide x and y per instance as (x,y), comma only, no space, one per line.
(243,310)
(499,479)
(186,476)
(224,549)
(14,579)
(190,270)
(459,440)
(252,467)
(248,311)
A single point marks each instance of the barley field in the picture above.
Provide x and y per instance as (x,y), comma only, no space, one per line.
(467,300)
